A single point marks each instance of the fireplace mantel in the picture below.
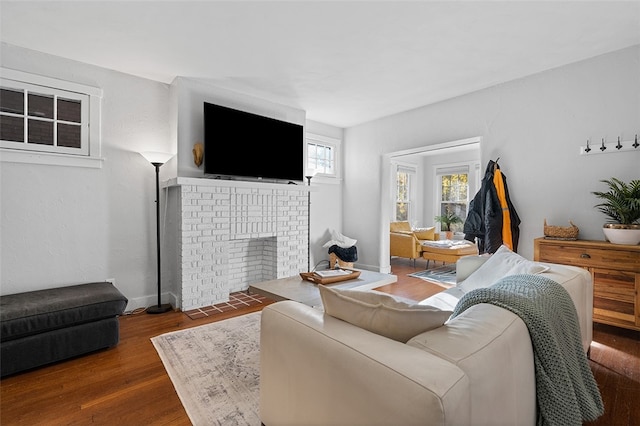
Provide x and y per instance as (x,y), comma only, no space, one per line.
(230,183)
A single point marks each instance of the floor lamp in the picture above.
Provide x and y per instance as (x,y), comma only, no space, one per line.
(157,159)
(309,175)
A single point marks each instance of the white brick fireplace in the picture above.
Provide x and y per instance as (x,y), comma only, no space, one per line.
(230,234)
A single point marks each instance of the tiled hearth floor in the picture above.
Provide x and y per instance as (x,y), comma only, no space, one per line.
(237,300)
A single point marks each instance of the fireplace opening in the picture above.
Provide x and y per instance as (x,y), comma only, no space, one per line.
(251,260)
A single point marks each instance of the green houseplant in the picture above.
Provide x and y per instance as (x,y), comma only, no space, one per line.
(621,204)
(446,220)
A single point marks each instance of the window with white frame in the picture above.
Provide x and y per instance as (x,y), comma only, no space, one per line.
(453,193)
(405,193)
(40,115)
(322,155)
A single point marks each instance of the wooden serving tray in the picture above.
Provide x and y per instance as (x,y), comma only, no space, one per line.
(317,279)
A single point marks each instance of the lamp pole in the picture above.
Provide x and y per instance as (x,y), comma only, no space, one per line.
(159,308)
(309,223)
(158,159)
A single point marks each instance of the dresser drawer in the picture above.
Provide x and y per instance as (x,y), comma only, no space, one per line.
(614,297)
(590,257)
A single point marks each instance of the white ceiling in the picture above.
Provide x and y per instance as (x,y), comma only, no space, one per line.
(344,63)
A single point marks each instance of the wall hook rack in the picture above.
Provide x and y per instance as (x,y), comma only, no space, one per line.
(611,147)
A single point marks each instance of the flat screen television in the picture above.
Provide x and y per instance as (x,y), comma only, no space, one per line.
(242,145)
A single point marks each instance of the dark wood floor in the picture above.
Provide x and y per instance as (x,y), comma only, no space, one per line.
(128,385)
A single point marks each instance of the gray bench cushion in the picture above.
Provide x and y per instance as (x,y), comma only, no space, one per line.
(34,312)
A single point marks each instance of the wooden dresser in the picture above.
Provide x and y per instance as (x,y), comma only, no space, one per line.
(615,270)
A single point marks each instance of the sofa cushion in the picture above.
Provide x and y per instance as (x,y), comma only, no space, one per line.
(26,314)
(502,263)
(381,313)
(399,226)
(425,233)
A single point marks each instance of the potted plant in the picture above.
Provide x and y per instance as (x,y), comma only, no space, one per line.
(621,203)
(446,220)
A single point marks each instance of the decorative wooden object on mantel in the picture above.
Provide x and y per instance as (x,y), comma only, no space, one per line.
(198,153)
(615,270)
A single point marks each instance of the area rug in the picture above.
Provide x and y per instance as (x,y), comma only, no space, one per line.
(445,274)
(215,369)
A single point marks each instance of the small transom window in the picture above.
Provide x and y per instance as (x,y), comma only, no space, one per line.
(43,115)
(43,119)
(322,155)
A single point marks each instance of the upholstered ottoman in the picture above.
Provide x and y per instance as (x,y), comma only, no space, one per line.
(447,252)
(44,326)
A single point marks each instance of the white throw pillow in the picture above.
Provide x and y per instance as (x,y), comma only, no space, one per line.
(381,313)
(502,263)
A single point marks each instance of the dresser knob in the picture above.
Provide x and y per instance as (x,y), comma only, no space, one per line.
(585,256)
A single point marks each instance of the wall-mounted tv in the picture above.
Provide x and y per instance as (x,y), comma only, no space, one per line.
(241,145)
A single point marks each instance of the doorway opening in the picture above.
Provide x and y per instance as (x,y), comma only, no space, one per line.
(426,159)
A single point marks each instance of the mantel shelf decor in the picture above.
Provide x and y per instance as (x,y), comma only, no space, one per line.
(610,147)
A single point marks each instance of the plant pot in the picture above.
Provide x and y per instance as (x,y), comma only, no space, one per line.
(617,233)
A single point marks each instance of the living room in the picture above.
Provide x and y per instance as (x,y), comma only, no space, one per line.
(105,217)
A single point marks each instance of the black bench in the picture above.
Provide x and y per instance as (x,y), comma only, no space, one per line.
(45,326)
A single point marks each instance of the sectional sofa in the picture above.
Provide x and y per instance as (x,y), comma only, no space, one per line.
(476,368)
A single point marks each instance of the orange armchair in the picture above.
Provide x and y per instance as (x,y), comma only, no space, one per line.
(405,242)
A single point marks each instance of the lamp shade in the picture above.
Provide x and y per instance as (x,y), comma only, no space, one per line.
(155,157)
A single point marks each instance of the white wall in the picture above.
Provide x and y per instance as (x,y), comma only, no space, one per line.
(65,225)
(535,125)
(62,225)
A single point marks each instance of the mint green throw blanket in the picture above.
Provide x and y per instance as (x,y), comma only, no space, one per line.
(566,391)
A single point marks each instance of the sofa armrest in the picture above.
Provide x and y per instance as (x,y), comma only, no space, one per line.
(404,244)
(492,346)
(319,370)
(579,284)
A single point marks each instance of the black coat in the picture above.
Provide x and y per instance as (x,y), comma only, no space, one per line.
(484,220)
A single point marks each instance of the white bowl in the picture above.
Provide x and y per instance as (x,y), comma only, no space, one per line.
(616,233)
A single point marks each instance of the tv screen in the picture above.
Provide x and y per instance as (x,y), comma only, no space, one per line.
(239,144)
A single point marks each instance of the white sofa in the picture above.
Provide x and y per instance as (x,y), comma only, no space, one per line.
(476,369)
